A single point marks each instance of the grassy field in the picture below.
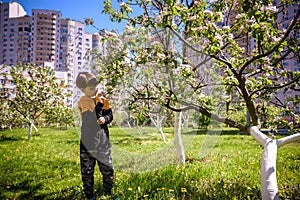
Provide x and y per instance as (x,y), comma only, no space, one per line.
(225,166)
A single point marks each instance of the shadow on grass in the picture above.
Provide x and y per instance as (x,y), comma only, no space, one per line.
(10,137)
(26,189)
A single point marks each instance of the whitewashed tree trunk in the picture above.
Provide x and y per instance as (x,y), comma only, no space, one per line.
(128,123)
(185,118)
(177,138)
(139,129)
(31,124)
(269,187)
(158,124)
(162,135)
(29,131)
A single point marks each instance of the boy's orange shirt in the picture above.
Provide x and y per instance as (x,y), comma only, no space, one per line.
(85,103)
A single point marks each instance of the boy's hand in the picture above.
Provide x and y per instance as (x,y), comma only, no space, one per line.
(101,120)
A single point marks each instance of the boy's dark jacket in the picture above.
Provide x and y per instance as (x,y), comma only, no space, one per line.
(91,110)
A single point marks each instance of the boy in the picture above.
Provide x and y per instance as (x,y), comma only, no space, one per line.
(94,143)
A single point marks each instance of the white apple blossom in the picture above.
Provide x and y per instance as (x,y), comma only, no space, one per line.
(208,12)
(220,15)
(275,39)
(123,4)
(192,18)
(220,39)
(161,56)
(186,67)
(226,27)
(270,8)
(197,2)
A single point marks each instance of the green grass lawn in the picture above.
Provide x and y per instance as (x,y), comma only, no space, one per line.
(225,166)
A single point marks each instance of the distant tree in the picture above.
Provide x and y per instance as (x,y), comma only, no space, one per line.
(60,114)
(9,117)
(35,92)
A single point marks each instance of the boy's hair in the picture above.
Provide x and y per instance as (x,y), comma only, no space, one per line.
(86,79)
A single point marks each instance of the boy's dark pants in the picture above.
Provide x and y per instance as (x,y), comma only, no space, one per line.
(87,162)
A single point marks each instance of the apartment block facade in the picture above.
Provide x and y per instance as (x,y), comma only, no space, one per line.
(45,37)
(9,15)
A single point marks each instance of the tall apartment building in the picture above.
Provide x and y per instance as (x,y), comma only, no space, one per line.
(9,16)
(292,62)
(74,44)
(45,36)
(23,54)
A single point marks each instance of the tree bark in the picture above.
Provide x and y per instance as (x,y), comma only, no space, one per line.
(269,187)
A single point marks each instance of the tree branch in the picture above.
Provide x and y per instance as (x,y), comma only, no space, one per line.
(287,33)
(276,87)
(288,139)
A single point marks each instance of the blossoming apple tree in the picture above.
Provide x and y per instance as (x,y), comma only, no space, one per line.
(220,34)
(35,91)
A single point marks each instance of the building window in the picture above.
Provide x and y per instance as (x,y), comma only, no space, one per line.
(285,64)
(297,69)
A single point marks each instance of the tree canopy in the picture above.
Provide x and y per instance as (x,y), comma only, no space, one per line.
(172,48)
(34,92)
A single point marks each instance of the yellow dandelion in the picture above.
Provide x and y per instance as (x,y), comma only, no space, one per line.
(183,190)
(130,189)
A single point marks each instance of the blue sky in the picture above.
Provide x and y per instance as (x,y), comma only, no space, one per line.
(76,10)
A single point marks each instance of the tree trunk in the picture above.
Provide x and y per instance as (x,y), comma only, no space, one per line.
(269,187)
(158,125)
(29,131)
(128,123)
(177,138)
(162,134)
(139,129)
